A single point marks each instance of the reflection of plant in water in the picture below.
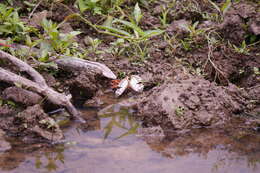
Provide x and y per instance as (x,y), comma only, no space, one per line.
(121,119)
(52,157)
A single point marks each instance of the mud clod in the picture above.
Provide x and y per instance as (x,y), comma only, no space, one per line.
(191,103)
(22,96)
(33,121)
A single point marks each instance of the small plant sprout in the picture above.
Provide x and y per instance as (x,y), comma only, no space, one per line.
(93,43)
(193,31)
(179,111)
(223,9)
(243,49)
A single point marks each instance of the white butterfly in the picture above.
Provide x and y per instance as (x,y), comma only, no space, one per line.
(135,83)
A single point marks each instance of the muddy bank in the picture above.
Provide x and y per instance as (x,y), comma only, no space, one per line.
(32,123)
(171,99)
(191,102)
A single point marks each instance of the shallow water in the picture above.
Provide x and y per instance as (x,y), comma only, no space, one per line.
(111,143)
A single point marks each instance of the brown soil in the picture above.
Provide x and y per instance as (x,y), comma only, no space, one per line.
(22,96)
(32,122)
(173,98)
(190,102)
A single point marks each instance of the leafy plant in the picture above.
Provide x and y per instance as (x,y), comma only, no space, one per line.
(93,5)
(186,44)
(193,30)
(129,30)
(53,40)
(163,17)
(10,23)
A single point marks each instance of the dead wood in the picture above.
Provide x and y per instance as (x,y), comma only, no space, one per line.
(38,86)
(73,63)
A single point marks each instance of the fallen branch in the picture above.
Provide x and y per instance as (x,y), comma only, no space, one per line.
(73,63)
(38,86)
(37,77)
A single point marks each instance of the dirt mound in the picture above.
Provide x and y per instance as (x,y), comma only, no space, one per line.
(189,103)
(32,122)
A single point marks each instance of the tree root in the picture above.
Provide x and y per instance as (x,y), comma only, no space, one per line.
(38,85)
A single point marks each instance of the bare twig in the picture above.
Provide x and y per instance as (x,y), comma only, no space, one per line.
(37,5)
(210,55)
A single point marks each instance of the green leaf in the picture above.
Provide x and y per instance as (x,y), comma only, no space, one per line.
(194,26)
(11,103)
(114,30)
(108,21)
(130,25)
(215,6)
(29,4)
(151,33)
(28,41)
(82,6)
(137,13)
(4,29)
(226,6)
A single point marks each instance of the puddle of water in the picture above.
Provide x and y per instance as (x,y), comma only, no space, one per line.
(110,143)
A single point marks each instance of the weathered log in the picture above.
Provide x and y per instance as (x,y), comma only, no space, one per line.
(73,63)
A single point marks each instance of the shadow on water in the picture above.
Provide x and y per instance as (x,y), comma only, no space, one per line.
(112,141)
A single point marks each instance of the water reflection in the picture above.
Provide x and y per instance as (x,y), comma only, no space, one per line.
(228,148)
(49,160)
(119,117)
(112,141)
